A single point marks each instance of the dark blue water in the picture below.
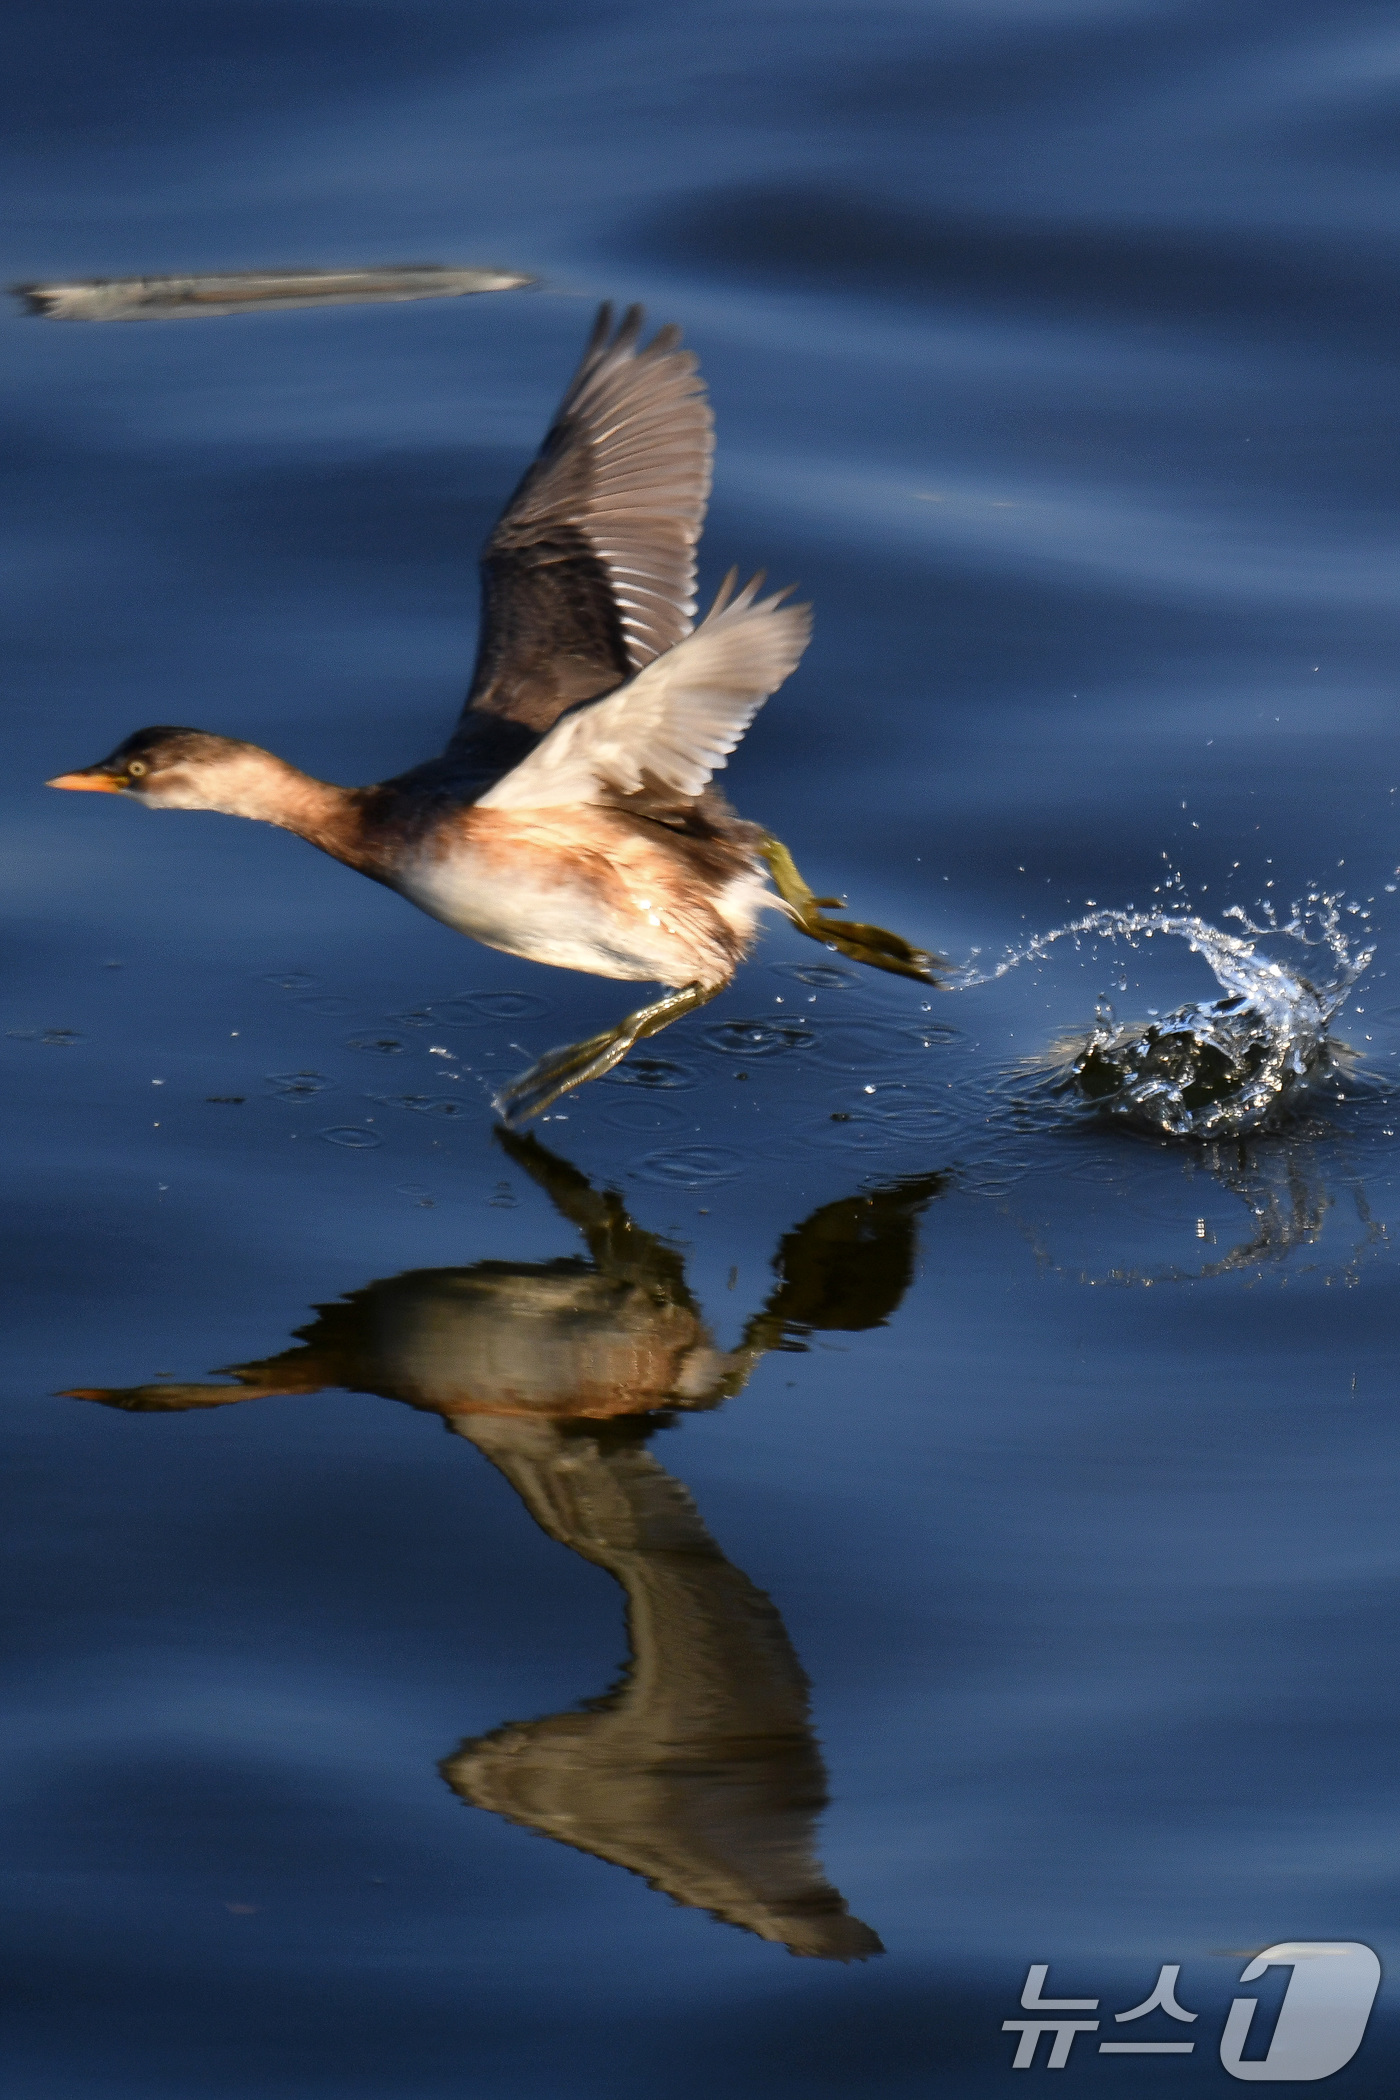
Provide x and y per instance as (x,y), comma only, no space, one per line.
(1020,1583)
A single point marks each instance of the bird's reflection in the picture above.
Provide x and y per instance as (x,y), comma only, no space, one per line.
(699,1770)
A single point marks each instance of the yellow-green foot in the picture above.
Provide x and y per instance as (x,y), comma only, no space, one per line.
(560,1071)
(864,944)
(557,1072)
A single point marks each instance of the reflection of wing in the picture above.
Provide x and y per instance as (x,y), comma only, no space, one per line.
(591,571)
(700,1772)
(676,722)
(848,1266)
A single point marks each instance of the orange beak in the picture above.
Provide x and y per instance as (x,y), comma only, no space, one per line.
(91,782)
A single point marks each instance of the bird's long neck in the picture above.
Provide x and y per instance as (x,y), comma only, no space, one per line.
(326,815)
(257,784)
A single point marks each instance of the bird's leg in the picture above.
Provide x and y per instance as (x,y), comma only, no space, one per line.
(866,944)
(560,1071)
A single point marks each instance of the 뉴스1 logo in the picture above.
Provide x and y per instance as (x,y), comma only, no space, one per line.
(1319,2027)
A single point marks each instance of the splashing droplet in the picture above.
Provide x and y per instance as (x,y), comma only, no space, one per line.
(1222,1067)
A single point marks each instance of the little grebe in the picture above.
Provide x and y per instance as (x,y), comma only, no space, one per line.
(572,819)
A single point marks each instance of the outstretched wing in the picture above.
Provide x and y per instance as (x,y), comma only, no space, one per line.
(677,721)
(590,573)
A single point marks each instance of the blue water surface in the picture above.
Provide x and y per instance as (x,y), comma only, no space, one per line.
(1053,349)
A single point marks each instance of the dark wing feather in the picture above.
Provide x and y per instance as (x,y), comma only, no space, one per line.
(674,724)
(590,573)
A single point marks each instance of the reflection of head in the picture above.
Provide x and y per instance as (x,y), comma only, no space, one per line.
(699,1770)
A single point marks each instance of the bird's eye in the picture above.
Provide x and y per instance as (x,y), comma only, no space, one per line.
(136,768)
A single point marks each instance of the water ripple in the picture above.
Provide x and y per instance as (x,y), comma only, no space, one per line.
(763,1037)
(691,1166)
(297,1086)
(642,1117)
(477,1009)
(822,977)
(665,1074)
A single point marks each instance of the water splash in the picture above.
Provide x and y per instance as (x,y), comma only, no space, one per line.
(1226,1066)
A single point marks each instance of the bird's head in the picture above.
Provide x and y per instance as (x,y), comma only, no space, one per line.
(183,769)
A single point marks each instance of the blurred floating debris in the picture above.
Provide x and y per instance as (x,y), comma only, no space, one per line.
(254,291)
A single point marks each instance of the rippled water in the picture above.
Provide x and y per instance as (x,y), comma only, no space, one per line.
(933,1449)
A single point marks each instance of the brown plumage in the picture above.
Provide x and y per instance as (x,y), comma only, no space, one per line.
(571,818)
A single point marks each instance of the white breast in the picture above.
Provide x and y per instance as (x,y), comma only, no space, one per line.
(556,922)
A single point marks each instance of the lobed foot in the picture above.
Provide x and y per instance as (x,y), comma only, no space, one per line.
(864,944)
(873,945)
(560,1071)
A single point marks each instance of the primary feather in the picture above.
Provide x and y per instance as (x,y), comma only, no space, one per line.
(590,573)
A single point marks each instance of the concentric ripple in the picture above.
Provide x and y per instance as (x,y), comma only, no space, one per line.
(664,1074)
(691,1166)
(477,1009)
(760,1037)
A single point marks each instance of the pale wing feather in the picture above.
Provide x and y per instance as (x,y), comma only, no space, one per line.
(642,420)
(676,722)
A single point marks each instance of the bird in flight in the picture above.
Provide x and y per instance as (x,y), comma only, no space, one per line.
(572,818)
